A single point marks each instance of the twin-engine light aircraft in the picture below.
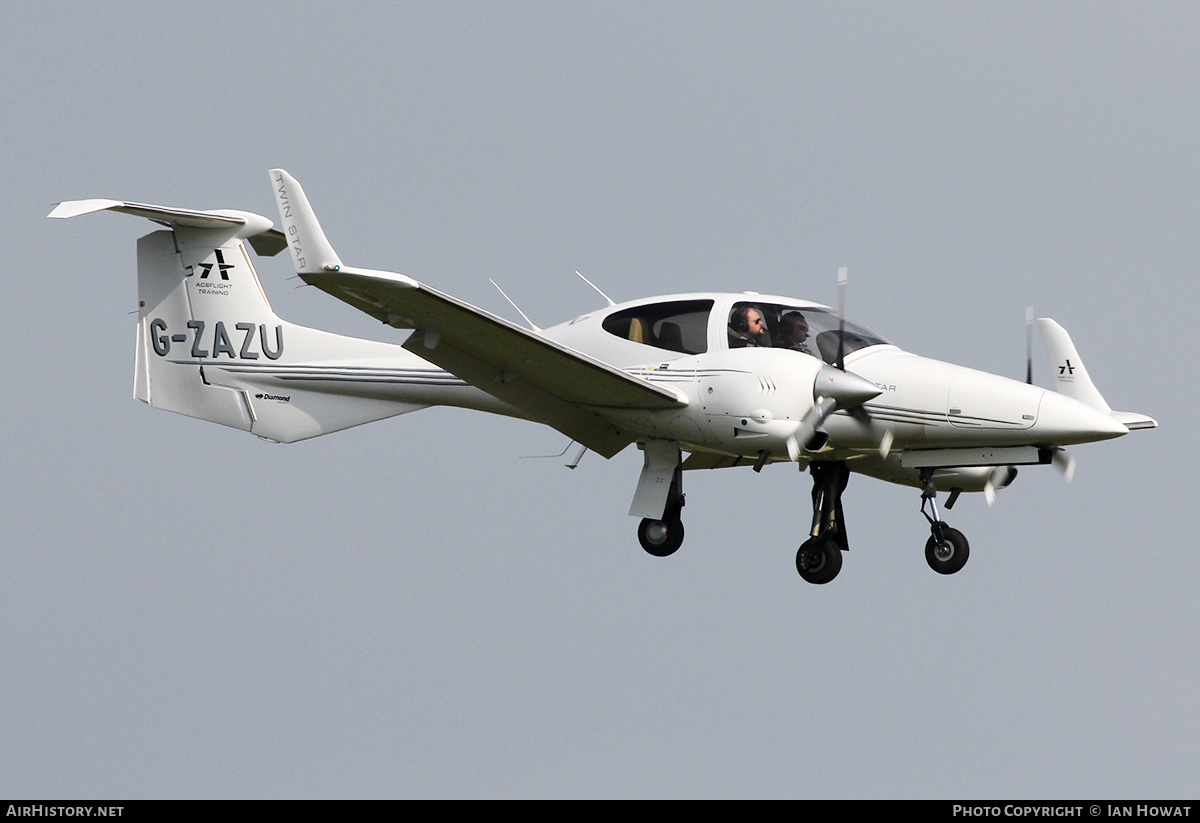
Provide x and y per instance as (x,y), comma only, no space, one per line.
(725,379)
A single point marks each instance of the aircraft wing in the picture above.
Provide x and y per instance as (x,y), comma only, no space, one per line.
(547,381)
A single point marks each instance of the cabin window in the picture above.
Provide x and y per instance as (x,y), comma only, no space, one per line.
(678,326)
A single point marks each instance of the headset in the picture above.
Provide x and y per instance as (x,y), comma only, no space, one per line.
(739,318)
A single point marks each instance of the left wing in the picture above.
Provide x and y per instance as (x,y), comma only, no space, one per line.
(547,381)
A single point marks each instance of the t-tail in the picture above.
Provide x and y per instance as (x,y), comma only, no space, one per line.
(210,346)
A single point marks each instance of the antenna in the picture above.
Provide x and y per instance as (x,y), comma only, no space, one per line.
(597,288)
(514,305)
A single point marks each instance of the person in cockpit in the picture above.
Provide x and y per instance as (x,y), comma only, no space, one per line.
(748,328)
(793,330)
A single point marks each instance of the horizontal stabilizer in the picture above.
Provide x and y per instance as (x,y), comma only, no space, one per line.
(1134,420)
(260,231)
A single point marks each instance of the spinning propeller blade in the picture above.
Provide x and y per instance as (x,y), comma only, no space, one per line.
(834,388)
(1029,345)
(843,276)
(999,478)
(885,444)
(1065,463)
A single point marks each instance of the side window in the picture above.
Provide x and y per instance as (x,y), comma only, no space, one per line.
(750,324)
(679,326)
(805,329)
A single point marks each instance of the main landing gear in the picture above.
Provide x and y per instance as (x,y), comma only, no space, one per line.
(663,538)
(819,558)
(947,549)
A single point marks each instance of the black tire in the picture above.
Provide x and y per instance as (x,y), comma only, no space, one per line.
(948,555)
(661,538)
(825,565)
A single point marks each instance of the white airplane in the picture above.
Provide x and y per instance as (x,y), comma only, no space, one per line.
(727,379)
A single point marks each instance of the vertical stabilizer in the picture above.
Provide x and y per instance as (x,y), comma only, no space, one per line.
(172,344)
(1070,376)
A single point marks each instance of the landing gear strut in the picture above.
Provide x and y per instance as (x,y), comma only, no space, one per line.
(819,558)
(663,538)
(947,549)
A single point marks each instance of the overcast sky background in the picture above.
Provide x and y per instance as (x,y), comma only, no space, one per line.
(410,608)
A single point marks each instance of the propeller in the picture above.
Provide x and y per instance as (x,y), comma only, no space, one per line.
(843,276)
(885,444)
(1029,345)
(834,388)
(998,479)
(1063,461)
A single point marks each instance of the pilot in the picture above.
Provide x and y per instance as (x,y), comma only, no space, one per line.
(793,329)
(748,328)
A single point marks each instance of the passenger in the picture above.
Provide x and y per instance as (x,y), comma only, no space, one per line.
(748,328)
(793,329)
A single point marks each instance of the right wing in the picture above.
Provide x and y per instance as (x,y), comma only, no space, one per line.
(547,381)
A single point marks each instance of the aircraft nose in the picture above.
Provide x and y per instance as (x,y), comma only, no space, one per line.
(1064,421)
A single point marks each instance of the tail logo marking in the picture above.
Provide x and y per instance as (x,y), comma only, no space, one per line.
(161,340)
(1066,371)
(222,266)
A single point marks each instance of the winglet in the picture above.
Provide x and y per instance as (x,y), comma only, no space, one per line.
(310,250)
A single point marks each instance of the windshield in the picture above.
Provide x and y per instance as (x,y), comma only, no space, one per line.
(808,330)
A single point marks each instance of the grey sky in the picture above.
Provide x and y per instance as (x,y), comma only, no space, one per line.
(411,609)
